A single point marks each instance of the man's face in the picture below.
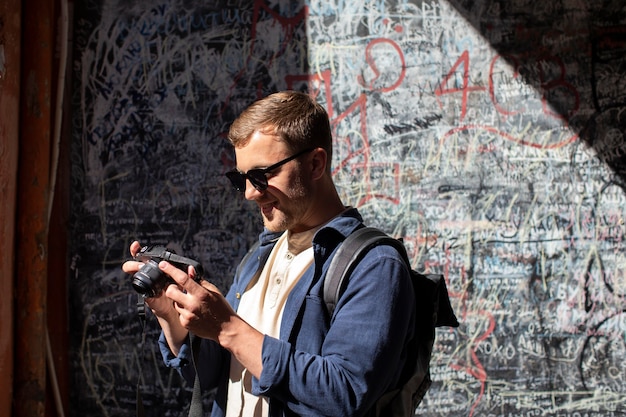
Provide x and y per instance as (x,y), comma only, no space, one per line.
(285,202)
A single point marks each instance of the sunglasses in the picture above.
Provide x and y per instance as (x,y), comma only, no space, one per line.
(258,176)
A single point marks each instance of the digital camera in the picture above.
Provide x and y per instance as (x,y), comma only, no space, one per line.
(149,281)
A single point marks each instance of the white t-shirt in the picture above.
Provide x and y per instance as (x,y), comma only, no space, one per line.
(262,307)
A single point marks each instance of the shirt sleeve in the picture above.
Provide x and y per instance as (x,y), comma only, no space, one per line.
(184,355)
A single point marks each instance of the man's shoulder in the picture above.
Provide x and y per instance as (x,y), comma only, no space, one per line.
(339,227)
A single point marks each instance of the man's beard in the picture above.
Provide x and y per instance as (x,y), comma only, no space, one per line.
(284,220)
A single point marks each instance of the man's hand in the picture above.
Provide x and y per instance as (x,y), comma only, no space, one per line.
(204,311)
(161,306)
(200,305)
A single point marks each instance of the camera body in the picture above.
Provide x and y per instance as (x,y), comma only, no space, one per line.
(149,280)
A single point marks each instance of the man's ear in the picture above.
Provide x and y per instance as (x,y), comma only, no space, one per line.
(319,160)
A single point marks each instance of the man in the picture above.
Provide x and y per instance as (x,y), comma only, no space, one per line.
(269,345)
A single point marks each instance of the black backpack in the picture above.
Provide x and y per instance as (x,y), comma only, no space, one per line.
(433,310)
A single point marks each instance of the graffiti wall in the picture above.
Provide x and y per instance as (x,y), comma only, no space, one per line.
(489,135)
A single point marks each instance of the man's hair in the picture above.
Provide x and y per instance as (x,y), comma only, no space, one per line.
(292,116)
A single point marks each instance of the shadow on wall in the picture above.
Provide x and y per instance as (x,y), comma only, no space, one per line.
(573,54)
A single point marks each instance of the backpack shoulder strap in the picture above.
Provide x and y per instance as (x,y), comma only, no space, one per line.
(432,308)
(347,256)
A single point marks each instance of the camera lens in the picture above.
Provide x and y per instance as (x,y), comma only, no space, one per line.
(149,280)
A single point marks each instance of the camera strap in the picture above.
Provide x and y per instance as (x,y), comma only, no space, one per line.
(195,409)
(141,311)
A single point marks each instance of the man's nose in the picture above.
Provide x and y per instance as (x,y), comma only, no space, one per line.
(251,193)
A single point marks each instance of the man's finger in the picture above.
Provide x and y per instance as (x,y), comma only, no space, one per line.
(209,286)
(191,271)
(134,248)
(181,278)
(131,267)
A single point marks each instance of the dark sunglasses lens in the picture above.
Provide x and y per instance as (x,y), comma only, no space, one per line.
(258,179)
(237,179)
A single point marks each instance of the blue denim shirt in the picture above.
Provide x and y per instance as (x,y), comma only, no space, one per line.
(321,365)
